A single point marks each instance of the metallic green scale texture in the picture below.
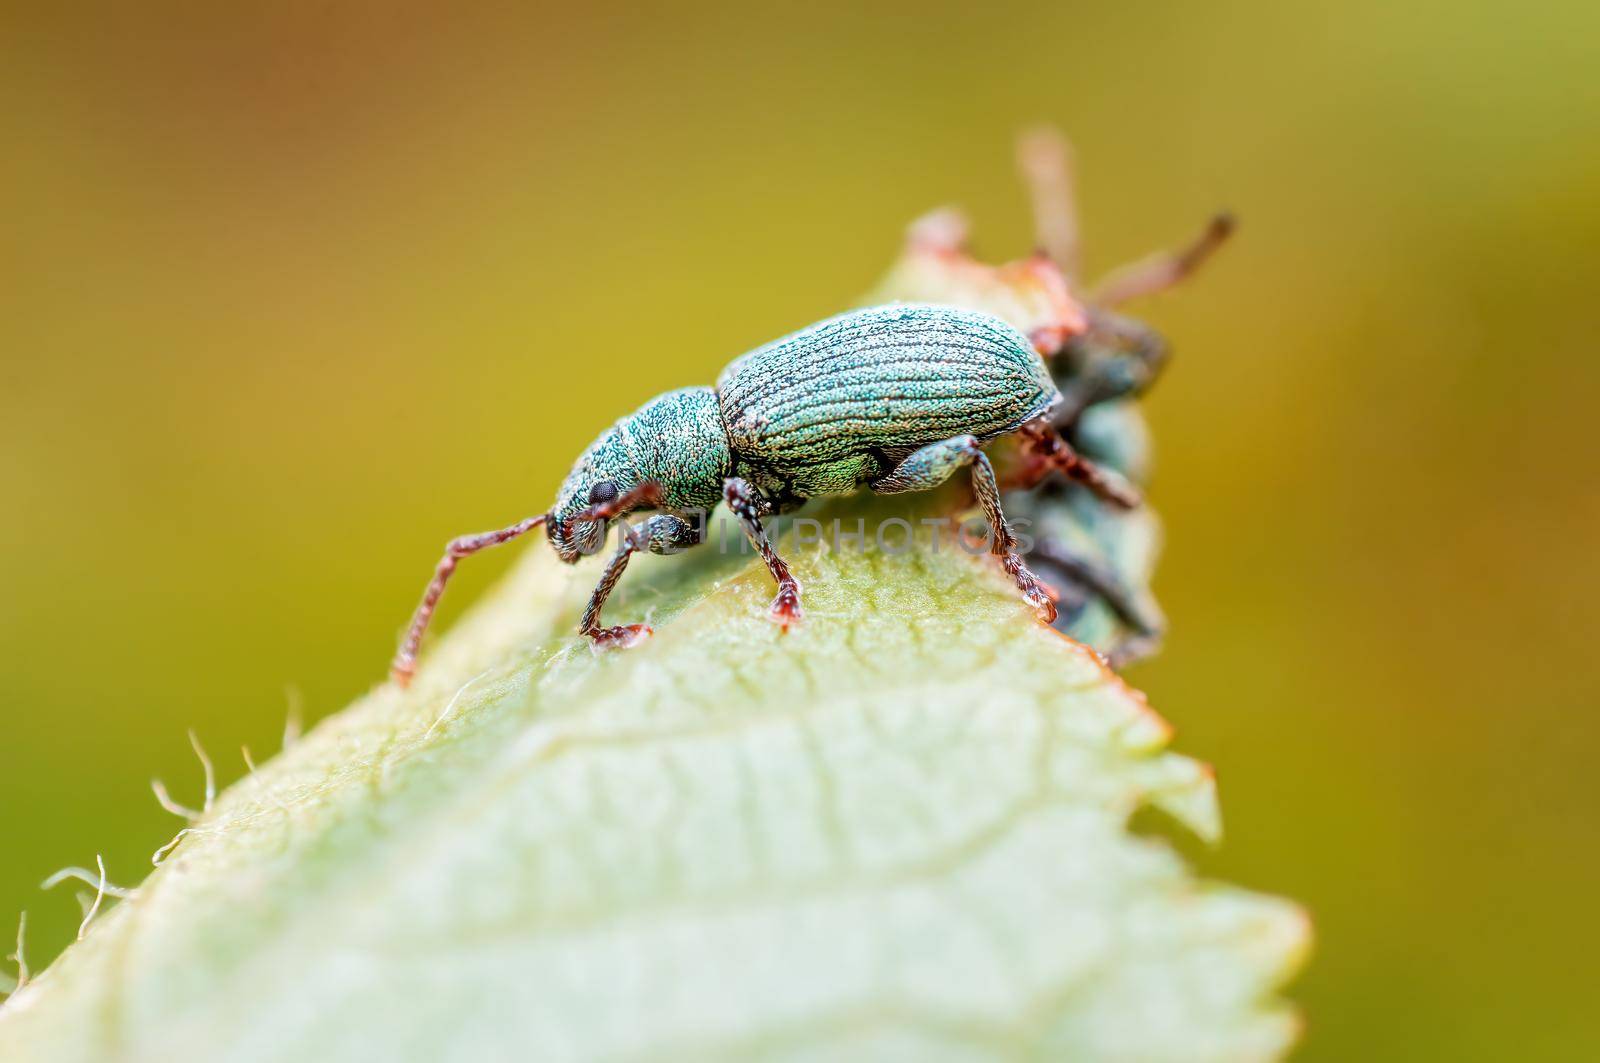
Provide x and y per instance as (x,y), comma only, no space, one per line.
(817,412)
(896,397)
(676,440)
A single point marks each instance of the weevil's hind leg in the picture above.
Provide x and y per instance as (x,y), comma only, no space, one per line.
(1163,270)
(933,465)
(1142,616)
(405,659)
(745,503)
(661,534)
(1044,159)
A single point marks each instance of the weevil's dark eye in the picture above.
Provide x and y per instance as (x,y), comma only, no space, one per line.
(604,491)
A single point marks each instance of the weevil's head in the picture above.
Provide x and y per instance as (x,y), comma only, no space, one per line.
(671,453)
(598,478)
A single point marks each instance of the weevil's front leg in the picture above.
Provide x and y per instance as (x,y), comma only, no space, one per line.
(1142,617)
(624,635)
(745,503)
(933,465)
(661,534)
(1045,451)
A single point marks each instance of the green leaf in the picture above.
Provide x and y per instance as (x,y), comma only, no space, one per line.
(899,831)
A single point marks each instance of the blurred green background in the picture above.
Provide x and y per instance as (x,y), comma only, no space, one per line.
(289,296)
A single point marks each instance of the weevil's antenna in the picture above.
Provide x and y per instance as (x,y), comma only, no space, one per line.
(1164,269)
(405,660)
(1044,159)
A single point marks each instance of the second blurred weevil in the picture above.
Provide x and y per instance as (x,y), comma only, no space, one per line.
(896,398)
(1099,562)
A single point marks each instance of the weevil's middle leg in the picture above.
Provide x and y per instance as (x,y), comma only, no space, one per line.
(933,465)
(661,534)
(745,503)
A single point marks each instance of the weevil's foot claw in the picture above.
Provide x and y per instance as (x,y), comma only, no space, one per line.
(786,606)
(1035,591)
(1043,606)
(620,638)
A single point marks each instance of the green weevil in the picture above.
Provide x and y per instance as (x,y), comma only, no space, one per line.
(1098,561)
(895,398)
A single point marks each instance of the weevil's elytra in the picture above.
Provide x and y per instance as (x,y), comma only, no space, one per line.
(895,398)
(814,410)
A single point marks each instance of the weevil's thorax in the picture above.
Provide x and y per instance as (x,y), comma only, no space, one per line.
(676,440)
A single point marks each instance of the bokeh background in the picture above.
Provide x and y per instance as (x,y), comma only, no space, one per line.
(290,295)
